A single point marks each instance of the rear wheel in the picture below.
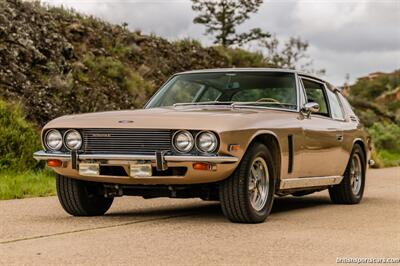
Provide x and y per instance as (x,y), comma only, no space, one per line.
(351,189)
(247,196)
(81,198)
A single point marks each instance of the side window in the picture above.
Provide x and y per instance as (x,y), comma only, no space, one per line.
(315,93)
(336,108)
(346,105)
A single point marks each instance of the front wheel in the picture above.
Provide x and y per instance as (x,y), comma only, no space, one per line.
(81,198)
(351,189)
(247,196)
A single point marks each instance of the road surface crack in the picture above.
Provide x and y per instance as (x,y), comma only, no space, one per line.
(95,228)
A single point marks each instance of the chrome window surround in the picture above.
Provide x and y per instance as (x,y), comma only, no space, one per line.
(295,73)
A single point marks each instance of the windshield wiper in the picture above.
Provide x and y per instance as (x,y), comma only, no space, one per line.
(261,104)
(202,103)
(232,105)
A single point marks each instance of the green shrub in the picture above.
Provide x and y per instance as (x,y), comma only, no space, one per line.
(128,80)
(386,137)
(107,66)
(18,139)
(241,58)
(138,87)
(187,44)
(386,140)
(371,88)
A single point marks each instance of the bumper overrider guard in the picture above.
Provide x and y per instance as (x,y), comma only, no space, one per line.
(160,158)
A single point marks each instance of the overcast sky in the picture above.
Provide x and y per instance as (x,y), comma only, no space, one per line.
(355,37)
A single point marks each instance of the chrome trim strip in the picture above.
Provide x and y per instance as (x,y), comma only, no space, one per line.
(233,107)
(235,70)
(262,107)
(298,88)
(42,155)
(305,182)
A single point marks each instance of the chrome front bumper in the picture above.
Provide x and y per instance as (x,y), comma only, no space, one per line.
(43,155)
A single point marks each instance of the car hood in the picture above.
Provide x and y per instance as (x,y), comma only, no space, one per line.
(217,119)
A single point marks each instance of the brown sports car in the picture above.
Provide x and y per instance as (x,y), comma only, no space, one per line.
(239,136)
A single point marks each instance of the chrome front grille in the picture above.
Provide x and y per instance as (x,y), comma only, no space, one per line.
(126,141)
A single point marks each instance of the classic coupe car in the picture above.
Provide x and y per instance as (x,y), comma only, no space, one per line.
(238,136)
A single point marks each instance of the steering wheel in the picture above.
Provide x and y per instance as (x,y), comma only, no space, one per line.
(271,100)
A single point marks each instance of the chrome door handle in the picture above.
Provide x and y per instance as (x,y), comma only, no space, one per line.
(339,137)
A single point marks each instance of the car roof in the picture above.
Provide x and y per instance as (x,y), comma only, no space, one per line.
(251,69)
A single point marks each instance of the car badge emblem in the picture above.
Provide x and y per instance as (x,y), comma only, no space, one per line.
(125,121)
(98,135)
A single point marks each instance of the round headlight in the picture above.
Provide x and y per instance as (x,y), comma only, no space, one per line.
(73,140)
(53,140)
(183,141)
(207,142)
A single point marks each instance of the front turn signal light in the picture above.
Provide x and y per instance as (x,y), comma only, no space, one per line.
(54,163)
(204,166)
(234,147)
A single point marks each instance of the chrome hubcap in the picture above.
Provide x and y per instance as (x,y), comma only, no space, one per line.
(258,183)
(355,174)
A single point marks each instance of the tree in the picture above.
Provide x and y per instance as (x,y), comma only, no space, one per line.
(292,55)
(221,17)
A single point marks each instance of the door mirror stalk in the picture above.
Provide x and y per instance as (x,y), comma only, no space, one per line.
(309,108)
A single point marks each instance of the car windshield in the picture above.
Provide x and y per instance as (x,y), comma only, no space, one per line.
(257,89)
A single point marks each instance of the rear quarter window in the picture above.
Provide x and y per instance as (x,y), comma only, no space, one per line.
(346,106)
(335,105)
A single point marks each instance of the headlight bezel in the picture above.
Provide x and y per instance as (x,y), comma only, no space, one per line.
(66,134)
(191,137)
(46,142)
(197,140)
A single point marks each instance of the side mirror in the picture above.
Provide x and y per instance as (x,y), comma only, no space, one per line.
(309,108)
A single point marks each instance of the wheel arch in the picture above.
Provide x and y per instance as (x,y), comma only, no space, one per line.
(364,148)
(270,140)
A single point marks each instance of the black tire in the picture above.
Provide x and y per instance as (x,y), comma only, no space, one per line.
(80,198)
(234,192)
(345,193)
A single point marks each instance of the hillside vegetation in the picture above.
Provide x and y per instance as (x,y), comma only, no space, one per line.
(376,99)
(55,62)
(58,62)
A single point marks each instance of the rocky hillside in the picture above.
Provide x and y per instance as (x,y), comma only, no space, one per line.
(57,61)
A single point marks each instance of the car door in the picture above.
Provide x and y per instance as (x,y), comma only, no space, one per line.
(322,131)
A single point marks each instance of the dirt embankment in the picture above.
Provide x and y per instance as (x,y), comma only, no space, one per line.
(57,61)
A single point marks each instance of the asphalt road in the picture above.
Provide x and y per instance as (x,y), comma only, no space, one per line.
(300,231)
